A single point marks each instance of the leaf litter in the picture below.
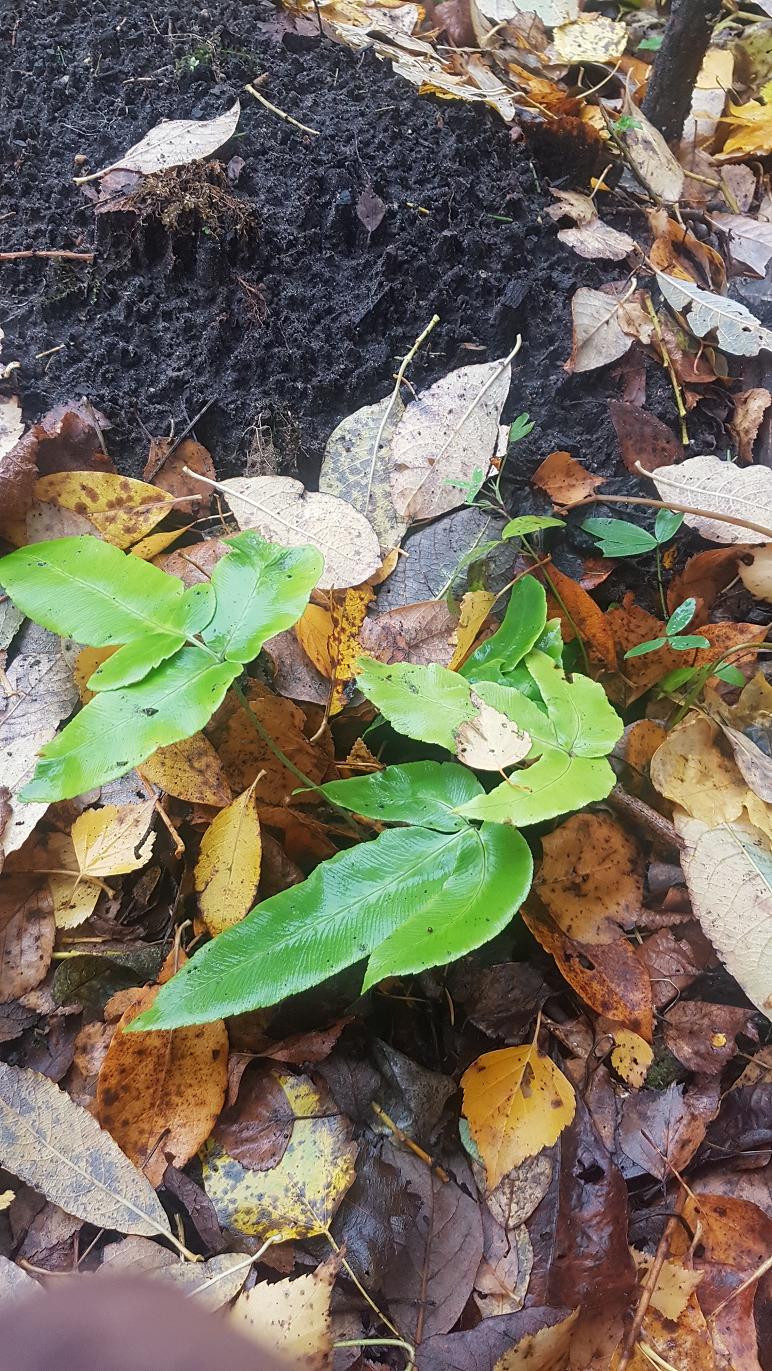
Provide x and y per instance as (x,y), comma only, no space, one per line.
(636,984)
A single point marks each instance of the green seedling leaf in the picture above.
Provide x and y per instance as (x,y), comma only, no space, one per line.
(133,661)
(688,641)
(523,623)
(88,590)
(556,783)
(424,793)
(731,674)
(673,680)
(429,703)
(293,940)
(680,617)
(491,879)
(520,427)
(530,523)
(118,729)
(261,590)
(640,649)
(618,538)
(666,525)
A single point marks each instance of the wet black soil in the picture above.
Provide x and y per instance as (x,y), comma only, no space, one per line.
(277,308)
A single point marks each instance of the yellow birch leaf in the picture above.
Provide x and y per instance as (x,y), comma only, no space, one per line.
(122,510)
(86,663)
(156,543)
(313,631)
(228,867)
(475,608)
(516,1103)
(189,770)
(330,637)
(291,1318)
(675,1284)
(752,131)
(103,842)
(546,1350)
(631,1055)
(298,1197)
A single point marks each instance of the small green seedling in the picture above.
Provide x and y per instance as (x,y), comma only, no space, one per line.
(674,635)
(520,427)
(530,523)
(619,538)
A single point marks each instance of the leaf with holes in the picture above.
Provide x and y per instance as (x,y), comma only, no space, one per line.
(516,1102)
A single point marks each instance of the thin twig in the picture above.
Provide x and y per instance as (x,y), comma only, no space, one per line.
(413,1147)
(749,1280)
(650,1285)
(655,825)
(667,362)
(288,119)
(404,364)
(678,508)
(61,253)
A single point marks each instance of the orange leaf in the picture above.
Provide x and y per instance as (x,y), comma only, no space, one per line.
(565,480)
(578,612)
(591,878)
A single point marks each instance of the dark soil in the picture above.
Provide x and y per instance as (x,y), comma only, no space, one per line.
(268,297)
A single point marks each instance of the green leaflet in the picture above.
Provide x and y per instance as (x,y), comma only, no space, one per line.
(554,784)
(425,702)
(118,729)
(134,660)
(414,793)
(523,711)
(88,590)
(295,939)
(619,538)
(261,589)
(491,879)
(585,722)
(521,627)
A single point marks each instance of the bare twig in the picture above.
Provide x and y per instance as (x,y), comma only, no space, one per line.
(62,253)
(650,1285)
(407,1142)
(288,119)
(655,825)
(404,364)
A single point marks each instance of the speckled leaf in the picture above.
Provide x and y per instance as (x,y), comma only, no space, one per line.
(228,868)
(59,1149)
(353,470)
(292,1318)
(299,1196)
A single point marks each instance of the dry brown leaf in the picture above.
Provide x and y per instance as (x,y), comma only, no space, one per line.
(591,878)
(565,480)
(675,250)
(280,509)
(585,617)
(643,438)
(750,406)
(650,157)
(703,578)
(189,770)
(421,633)
(605,325)
(27,933)
(446,440)
(164,467)
(159,1093)
(294,674)
(244,753)
(702,1036)
(291,1318)
(193,565)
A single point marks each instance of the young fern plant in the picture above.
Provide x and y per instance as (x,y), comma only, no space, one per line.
(450,872)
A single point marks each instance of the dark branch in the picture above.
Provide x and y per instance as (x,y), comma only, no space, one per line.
(669,92)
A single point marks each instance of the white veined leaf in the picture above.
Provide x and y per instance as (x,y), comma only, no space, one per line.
(174,143)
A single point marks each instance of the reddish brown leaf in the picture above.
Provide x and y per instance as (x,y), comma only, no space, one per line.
(674,960)
(578,613)
(258,1127)
(662,1129)
(565,480)
(453,15)
(704,577)
(27,933)
(702,1036)
(643,438)
(164,467)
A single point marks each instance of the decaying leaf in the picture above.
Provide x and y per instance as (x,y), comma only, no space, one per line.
(736,330)
(244,753)
(712,485)
(516,1102)
(174,143)
(354,471)
(661,1129)
(750,408)
(27,933)
(103,842)
(598,241)
(546,1350)
(650,157)
(189,770)
(291,1318)
(702,1035)
(590,38)
(443,445)
(579,613)
(631,1056)
(728,871)
(227,872)
(281,510)
(753,131)
(299,1196)
(330,638)
(591,878)
(565,480)
(605,324)
(420,633)
(473,612)
(121,510)
(56,1147)
(750,241)
(643,437)
(159,1093)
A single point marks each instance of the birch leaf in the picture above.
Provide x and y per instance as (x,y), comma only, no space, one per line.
(281,510)
(728,873)
(228,867)
(174,143)
(443,446)
(291,1318)
(736,330)
(59,1149)
(712,485)
(103,842)
(121,509)
(516,1103)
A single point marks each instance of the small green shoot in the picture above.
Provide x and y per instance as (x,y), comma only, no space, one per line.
(520,428)
(674,636)
(620,538)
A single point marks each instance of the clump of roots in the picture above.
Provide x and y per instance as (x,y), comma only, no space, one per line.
(192,199)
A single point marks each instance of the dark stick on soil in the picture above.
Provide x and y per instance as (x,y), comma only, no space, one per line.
(61,253)
(669,92)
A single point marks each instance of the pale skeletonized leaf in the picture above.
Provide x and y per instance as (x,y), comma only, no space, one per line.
(490,741)
(284,512)
(551,12)
(604,328)
(14,1281)
(174,143)
(728,873)
(59,1149)
(710,484)
(353,470)
(11,424)
(750,240)
(443,445)
(597,240)
(736,330)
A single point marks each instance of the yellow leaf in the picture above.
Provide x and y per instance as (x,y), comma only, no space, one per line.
(86,663)
(313,631)
(690,769)
(189,770)
(591,878)
(156,543)
(291,1318)
(7,1198)
(122,510)
(330,637)
(228,868)
(475,608)
(516,1103)
(675,1284)
(753,131)
(590,38)
(103,842)
(546,1350)
(631,1056)
(299,1196)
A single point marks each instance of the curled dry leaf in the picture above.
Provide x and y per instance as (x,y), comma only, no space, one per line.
(749,410)
(712,485)
(676,251)
(516,1102)
(650,157)
(591,878)
(728,871)
(57,1148)
(605,324)
(159,1093)
(227,872)
(736,330)
(331,639)
(443,445)
(174,143)
(281,510)
(565,480)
